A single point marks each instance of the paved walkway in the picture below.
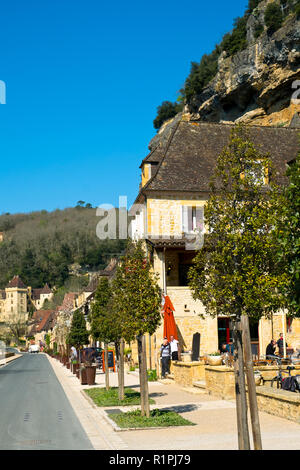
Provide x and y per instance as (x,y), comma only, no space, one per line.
(215,419)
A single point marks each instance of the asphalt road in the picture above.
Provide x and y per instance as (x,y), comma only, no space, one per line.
(35,413)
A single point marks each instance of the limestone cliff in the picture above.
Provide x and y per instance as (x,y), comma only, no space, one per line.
(256,84)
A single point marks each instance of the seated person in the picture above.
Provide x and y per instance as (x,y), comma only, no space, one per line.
(270,350)
(226,348)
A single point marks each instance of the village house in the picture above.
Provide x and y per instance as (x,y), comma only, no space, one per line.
(77,301)
(38,296)
(40,324)
(14,300)
(169,215)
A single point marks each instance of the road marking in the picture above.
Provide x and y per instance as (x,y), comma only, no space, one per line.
(27,416)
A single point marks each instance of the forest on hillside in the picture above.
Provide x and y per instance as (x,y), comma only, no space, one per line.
(43,246)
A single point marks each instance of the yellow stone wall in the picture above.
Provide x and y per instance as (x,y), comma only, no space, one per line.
(146,173)
(220,381)
(164,218)
(187,373)
(15,304)
(269,329)
(164,213)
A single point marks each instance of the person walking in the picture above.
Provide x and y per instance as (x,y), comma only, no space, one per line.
(174,348)
(165,354)
(73,353)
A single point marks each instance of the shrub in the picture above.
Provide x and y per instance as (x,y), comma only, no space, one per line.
(259,29)
(237,40)
(152,375)
(167,110)
(273,17)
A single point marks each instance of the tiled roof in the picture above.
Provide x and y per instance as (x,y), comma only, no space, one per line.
(191,153)
(110,268)
(36,293)
(16,282)
(41,320)
(46,290)
(92,285)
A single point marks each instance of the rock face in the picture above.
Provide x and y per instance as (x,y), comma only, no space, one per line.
(255,85)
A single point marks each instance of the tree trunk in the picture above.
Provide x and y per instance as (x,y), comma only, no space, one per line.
(251,384)
(106,366)
(142,383)
(150,353)
(145,378)
(240,388)
(121,371)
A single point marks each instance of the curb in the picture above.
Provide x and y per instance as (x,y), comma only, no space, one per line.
(5,362)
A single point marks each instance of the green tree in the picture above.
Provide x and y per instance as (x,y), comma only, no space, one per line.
(137,301)
(287,236)
(105,323)
(167,110)
(237,39)
(273,17)
(235,273)
(78,335)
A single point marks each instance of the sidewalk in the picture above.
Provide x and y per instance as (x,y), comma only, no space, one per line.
(7,360)
(215,419)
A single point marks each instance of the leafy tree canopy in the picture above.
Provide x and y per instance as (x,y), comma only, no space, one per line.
(273,17)
(136,294)
(236,271)
(78,335)
(167,110)
(287,235)
(105,322)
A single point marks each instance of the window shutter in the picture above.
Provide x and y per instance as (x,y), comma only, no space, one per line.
(184,212)
(190,219)
(200,217)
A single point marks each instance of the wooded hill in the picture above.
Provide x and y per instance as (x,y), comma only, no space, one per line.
(42,246)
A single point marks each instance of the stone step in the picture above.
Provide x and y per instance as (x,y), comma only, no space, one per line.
(199,384)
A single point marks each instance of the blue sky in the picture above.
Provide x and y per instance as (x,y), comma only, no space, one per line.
(83,81)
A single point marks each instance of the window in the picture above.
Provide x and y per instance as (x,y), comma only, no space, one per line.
(192,219)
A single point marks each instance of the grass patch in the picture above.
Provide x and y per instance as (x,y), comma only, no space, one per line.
(158,418)
(103,397)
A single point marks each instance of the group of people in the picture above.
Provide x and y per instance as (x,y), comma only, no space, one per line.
(271,348)
(168,351)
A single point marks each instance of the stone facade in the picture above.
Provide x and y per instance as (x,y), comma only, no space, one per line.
(13,301)
(169,210)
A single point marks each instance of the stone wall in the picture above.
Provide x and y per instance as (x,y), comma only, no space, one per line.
(164,213)
(220,381)
(188,321)
(186,373)
(279,403)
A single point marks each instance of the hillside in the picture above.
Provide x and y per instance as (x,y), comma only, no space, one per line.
(250,75)
(49,246)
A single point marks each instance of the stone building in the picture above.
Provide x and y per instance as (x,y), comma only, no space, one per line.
(17,299)
(169,215)
(13,300)
(38,296)
(40,324)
